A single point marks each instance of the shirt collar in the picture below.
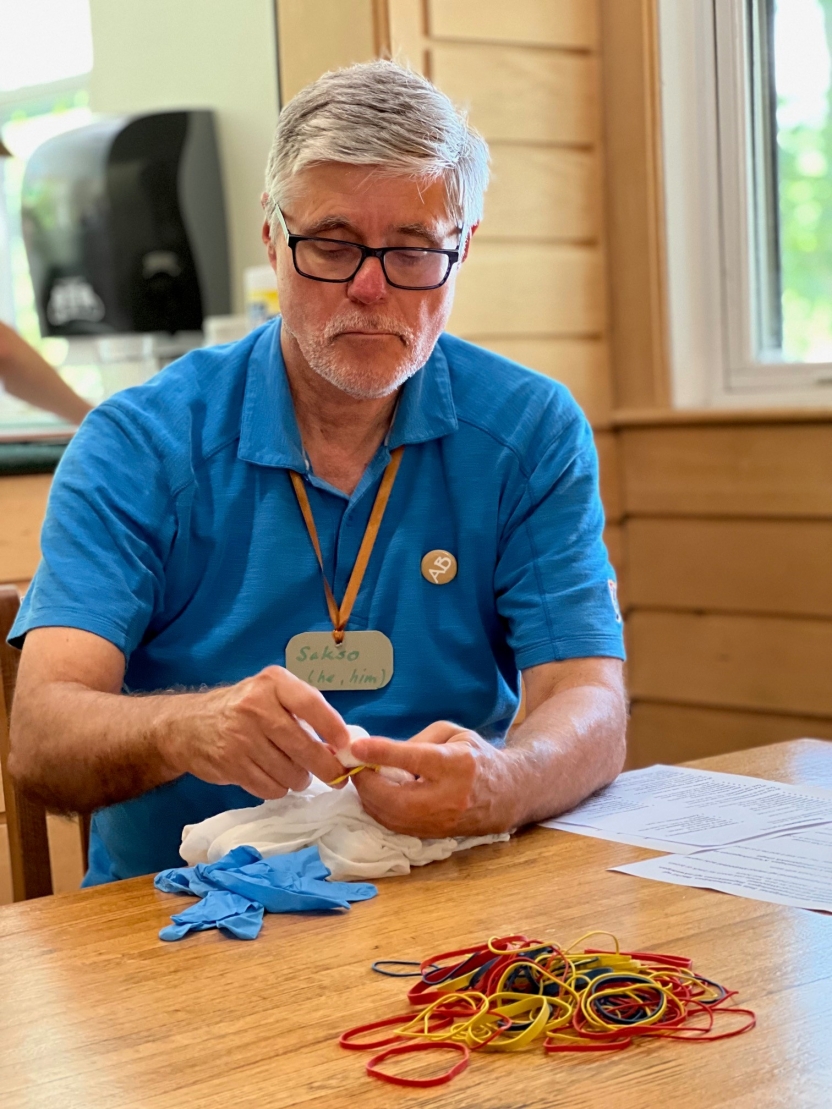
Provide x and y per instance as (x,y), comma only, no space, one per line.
(269,434)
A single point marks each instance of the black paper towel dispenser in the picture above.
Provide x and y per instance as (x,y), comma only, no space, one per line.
(124,225)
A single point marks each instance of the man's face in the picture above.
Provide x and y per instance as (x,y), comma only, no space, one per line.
(363,336)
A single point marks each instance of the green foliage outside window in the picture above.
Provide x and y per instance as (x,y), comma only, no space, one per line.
(805,187)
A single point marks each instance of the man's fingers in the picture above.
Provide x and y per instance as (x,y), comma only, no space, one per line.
(258,783)
(296,744)
(440,732)
(309,704)
(278,766)
(378,796)
(295,701)
(422,759)
(386,813)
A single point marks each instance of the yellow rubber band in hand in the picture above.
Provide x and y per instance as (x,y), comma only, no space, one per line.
(349,773)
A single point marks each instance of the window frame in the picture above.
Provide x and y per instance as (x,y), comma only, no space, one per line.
(714,247)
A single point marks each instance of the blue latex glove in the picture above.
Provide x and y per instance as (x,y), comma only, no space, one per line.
(199,879)
(280,884)
(233,915)
(291,883)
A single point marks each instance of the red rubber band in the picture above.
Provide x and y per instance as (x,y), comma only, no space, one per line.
(648,957)
(408,1049)
(708,1037)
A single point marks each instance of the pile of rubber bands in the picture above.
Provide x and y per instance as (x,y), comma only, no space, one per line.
(514,992)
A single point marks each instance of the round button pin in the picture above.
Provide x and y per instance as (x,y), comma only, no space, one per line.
(439,567)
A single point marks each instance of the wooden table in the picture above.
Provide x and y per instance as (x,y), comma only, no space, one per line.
(96,1011)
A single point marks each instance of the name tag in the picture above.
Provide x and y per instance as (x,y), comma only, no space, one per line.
(364,660)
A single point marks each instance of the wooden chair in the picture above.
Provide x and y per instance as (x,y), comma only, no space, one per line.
(25,815)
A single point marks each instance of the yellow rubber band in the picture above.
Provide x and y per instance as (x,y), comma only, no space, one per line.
(350,772)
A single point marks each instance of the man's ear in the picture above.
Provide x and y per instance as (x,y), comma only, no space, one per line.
(266,236)
(474,227)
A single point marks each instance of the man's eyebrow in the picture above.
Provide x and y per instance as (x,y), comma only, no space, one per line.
(341,223)
(422,231)
(330,223)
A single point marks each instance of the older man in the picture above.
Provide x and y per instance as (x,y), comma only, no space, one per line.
(346,517)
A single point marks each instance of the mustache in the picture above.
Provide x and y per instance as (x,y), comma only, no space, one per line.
(376,322)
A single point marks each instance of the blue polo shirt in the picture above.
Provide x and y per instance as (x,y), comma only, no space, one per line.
(173,531)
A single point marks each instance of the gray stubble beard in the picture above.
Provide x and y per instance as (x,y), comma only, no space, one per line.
(322,356)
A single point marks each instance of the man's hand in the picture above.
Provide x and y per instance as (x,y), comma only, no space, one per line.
(462,786)
(570,744)
(249,735)
(79,744)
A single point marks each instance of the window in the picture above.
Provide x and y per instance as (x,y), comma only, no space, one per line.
(45,61)
(747,133)
(801,33)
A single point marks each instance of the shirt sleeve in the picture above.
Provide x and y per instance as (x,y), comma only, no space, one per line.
(109,527)
(555,586)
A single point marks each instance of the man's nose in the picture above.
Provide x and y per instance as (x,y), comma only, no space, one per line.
(369,284)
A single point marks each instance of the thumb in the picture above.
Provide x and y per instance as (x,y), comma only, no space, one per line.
(422,760)
(440,732)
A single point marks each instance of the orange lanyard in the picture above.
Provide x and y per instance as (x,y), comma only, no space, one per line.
(340,616)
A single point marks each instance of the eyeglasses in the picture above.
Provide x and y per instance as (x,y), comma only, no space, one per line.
(335,260)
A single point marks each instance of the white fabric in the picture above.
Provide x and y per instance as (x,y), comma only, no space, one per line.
(351,843)
(348,760)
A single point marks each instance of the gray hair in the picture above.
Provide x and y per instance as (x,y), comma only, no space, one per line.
(380,114)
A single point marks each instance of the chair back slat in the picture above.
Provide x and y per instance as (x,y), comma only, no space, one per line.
(25,815)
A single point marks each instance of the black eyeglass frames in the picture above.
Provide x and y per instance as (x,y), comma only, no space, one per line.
(338,261)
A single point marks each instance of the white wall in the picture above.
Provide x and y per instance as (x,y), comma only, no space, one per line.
(220,54)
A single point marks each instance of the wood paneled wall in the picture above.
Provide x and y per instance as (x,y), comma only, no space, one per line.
(534,286)
(314,36)
(727,539)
